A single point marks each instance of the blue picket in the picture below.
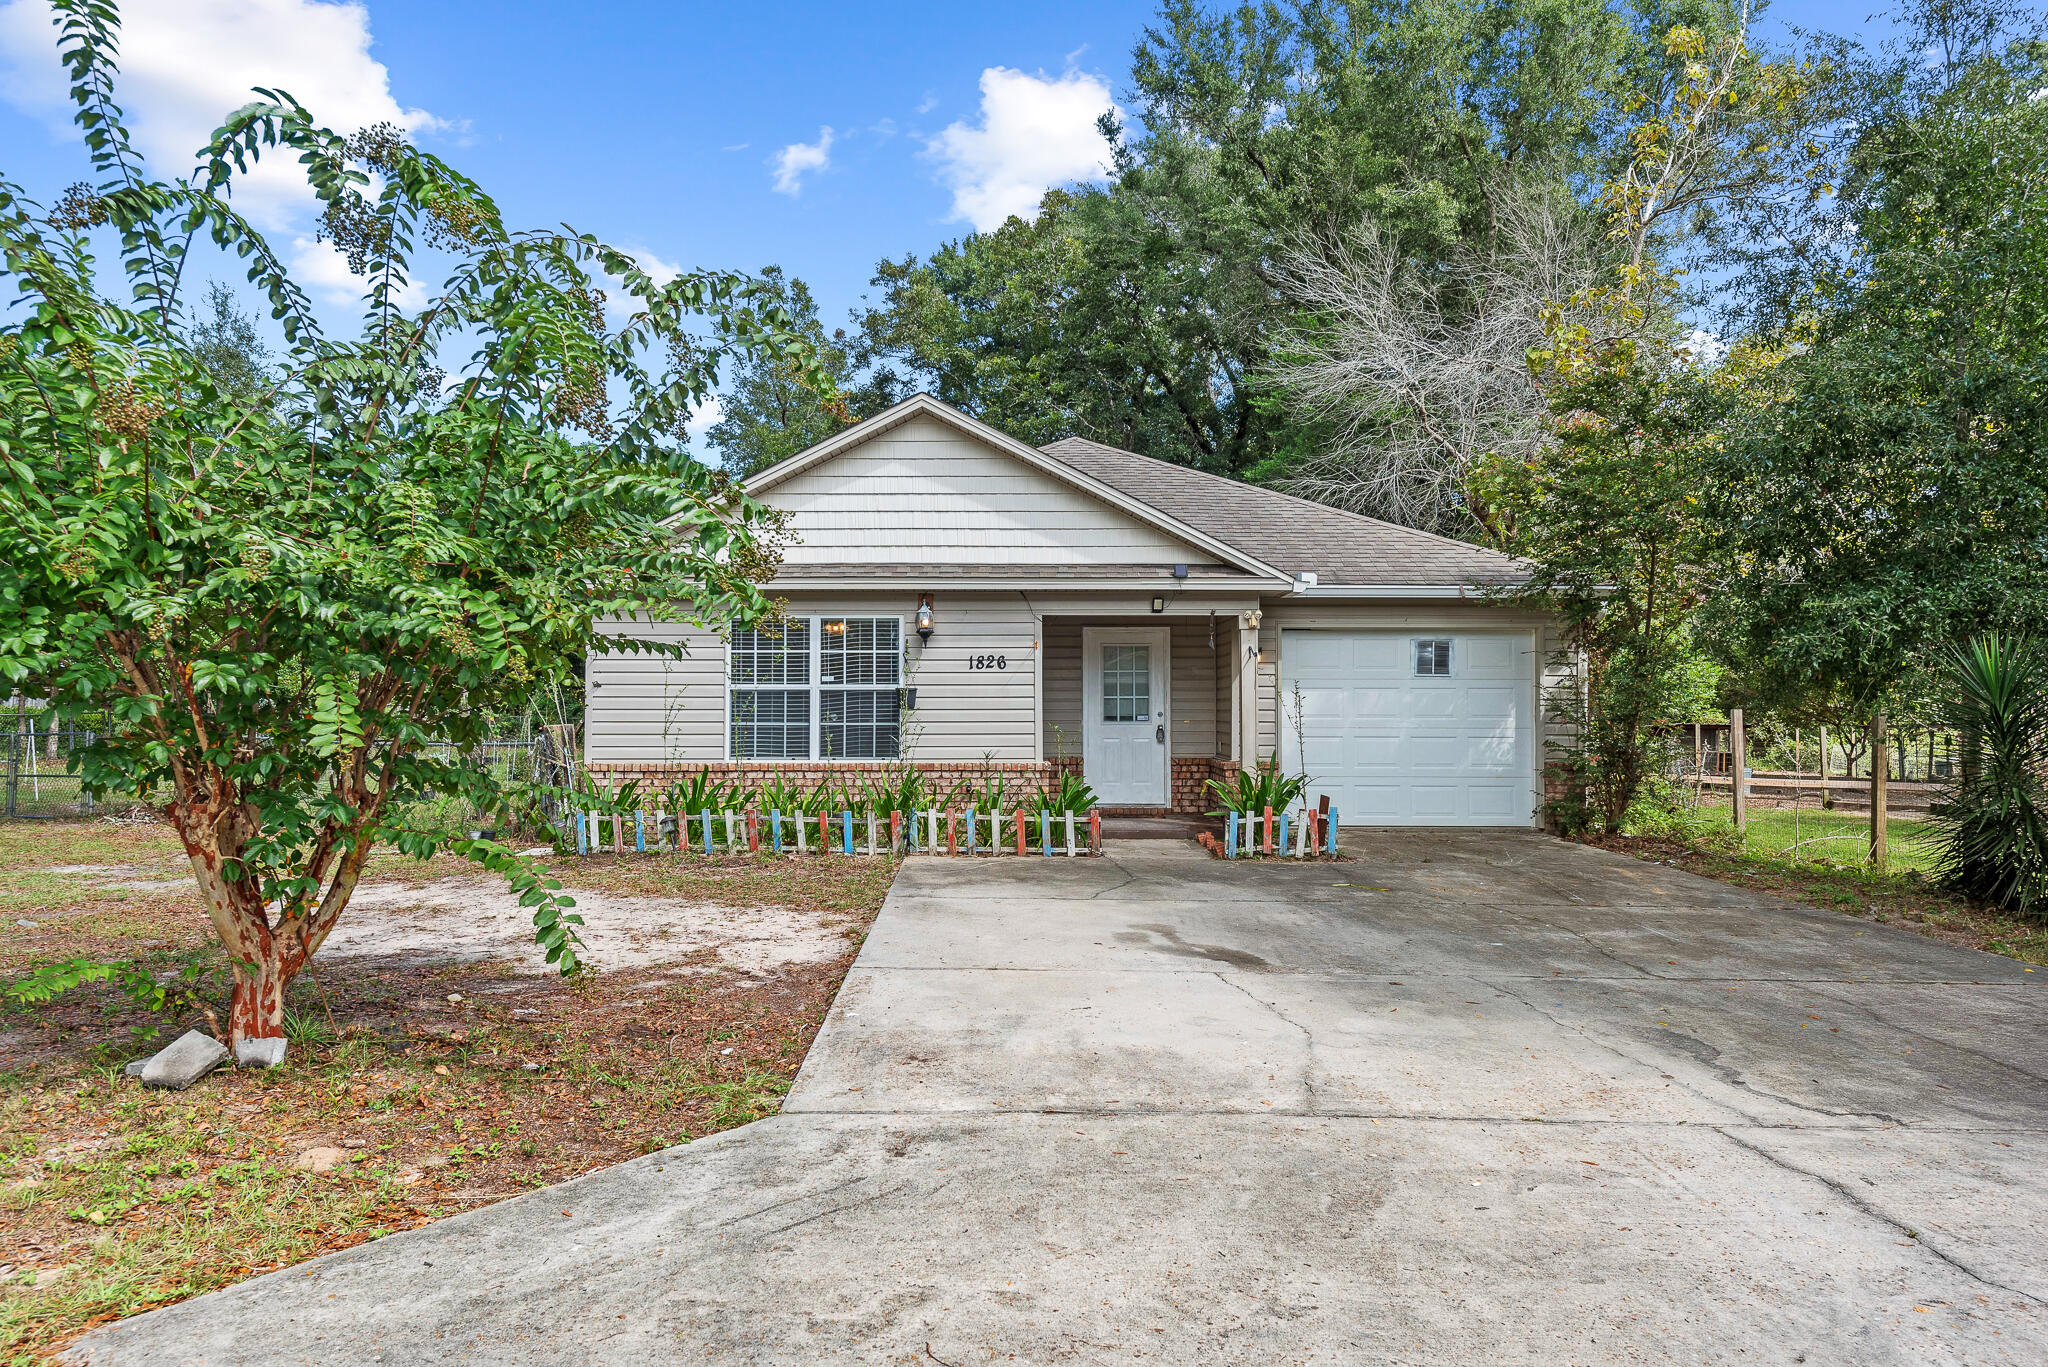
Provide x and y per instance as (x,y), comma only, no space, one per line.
(1045,831)
(1331,833)
(1283,835)
(582,842)
(775,830)
(639,832)
(707,832)
(849,830)
(1230,835)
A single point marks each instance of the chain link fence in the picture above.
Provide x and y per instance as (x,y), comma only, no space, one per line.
(40,785)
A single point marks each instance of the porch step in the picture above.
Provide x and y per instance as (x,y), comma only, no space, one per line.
(1155,826)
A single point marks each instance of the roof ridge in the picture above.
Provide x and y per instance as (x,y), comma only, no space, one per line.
(1278,493)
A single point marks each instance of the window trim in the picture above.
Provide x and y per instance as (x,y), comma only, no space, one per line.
(814,622)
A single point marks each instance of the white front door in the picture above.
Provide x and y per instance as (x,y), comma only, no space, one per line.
(1124,725)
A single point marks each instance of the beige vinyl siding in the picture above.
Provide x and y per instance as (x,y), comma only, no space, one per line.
(1192,687)
(966,713)
(649,707)
(1226,667)
(923,492)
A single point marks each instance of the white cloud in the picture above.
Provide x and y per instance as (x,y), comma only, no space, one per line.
(1705,349)
(658,270)
(187,64)
(928,103)
(798,160)
(704,419)
(320,268)
(1036,132)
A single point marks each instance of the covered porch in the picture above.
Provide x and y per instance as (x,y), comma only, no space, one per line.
(1148,707)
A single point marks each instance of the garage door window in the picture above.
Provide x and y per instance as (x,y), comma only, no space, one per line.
(1432,657)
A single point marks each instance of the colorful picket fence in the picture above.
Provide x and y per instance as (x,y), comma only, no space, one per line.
(1287,835)
(924,831)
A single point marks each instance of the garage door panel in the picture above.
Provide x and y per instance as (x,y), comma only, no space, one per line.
(1321,653)
(1492,657)
(1496,803)
(1375,656)
(1436,702)
(1500,702)
(1392,747)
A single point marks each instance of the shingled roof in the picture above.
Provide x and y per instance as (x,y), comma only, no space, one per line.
(1294,534)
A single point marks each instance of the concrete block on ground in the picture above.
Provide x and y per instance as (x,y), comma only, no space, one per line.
(260,1053)
(185,1060)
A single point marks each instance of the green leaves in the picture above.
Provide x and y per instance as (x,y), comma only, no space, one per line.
(288,595)
(1993,819)
(554,921)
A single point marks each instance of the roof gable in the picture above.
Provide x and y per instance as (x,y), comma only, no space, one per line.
(923,483)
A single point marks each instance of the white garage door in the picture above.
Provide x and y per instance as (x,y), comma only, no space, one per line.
(1413,728)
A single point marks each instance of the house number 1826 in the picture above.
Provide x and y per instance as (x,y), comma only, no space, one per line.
(989,662)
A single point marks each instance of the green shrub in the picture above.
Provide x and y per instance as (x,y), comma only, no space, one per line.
(703,793)
(1254,790)
(780,795)
(1072,795)
(1992,822)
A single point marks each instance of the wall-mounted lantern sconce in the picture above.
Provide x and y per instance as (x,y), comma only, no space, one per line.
(924,617)
(1158,604)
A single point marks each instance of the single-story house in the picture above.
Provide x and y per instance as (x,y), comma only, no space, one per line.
(964,602)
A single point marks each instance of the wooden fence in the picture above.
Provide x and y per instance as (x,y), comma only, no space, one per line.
(845,832)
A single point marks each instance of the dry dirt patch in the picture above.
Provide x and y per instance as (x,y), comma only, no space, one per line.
(459,920)
(436,1064)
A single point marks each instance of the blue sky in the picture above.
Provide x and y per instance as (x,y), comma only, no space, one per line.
(692,133)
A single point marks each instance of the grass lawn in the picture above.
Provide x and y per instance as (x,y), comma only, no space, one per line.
(1810,835)
(414,1089)
(1819,858)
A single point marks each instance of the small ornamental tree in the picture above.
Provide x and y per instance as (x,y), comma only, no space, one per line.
(282,607)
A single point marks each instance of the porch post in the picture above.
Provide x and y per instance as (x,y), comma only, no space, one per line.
(1244,692)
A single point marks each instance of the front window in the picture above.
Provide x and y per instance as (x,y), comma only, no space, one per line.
(771,693)
(859,719)
(827,687)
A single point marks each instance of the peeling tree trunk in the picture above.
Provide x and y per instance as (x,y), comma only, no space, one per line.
(264,963)
(257,1011)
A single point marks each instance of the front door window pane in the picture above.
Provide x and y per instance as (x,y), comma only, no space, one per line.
(1126,683)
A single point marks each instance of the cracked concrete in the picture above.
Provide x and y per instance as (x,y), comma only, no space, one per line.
(1477,1097)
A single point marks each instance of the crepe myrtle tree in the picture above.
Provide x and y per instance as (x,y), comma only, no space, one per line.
(280,608)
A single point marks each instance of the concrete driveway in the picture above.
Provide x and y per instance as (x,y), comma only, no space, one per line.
(1470,1098)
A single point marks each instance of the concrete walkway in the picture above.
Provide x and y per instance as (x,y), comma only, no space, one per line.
(1471,1098)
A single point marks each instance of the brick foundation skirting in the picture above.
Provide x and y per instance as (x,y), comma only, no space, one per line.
(1023,777)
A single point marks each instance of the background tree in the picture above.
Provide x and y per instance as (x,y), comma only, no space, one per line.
(1073,324)
(1897,499)
(1415,378)
(226,342)
(1609,511)
(1143,313)
(771,409)
(278,605)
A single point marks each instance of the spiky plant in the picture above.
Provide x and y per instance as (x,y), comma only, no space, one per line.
(1992,821)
